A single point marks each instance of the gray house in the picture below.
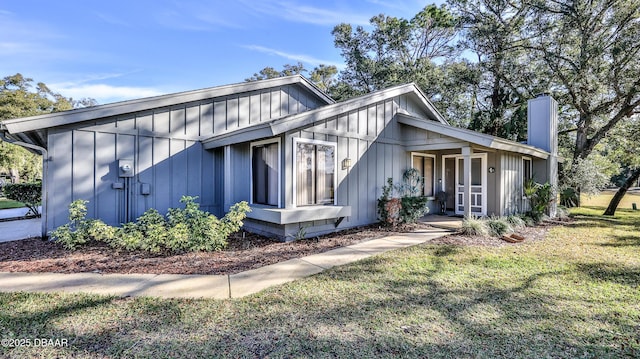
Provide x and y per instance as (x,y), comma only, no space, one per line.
(299,158)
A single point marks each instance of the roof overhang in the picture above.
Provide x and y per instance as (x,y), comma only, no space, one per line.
(120,108)
(472,137)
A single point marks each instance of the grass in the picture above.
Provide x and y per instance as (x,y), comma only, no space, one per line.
(7,203)
(604,198)
(577,294)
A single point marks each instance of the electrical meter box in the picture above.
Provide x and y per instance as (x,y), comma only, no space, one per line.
(125,168)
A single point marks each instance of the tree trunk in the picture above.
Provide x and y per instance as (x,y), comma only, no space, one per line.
(615,201)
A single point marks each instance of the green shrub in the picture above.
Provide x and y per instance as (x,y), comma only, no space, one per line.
(183,229)
(473,226)
(413,208)
(409,206)
(516,221)
(497,226)
(79,230)
(28,193)
(540,197)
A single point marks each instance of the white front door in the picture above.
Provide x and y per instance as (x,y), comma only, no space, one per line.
(478,184)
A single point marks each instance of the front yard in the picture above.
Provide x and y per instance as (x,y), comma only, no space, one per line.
(575,294)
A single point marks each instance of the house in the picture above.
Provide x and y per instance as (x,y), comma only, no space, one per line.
(299,158)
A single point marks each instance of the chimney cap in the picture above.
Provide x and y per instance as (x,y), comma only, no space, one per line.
(542,94)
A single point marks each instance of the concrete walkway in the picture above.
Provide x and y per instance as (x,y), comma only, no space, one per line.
(209,286)
(442,221)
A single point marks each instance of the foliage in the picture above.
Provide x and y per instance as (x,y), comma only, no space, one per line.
(271,73)
(473,226)
(186,229)
(516,221)
(497,226)
(409,205)
(540,198)
(300,234)
(413,208)
(28,193)
(20,98)
(569,197)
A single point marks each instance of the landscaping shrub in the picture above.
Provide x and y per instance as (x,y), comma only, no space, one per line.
(516,221)
(80,230)
(28,193)
(473,226)
(497,226)
(413,208)
(183,229)
(406,208)
(540,197)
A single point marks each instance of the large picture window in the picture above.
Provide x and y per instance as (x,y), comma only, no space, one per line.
(265,172)
(425,164)
(315,164)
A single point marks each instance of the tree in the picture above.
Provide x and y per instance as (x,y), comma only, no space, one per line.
(400,51)
(20,98)
(271,73)
(324,76)
(624,148)
(494,31)
(591,50)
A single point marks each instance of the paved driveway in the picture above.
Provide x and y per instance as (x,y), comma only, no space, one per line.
(19,229)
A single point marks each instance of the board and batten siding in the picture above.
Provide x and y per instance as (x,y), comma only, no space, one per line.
(511,183)
(371,137)
(165,145)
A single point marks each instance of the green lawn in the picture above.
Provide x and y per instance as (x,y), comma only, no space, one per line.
(604,198)
(7,203)
(575,295)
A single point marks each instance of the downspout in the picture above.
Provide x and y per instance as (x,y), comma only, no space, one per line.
(45,160)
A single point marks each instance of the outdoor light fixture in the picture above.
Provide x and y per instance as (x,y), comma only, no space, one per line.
(346,163)
(492,169)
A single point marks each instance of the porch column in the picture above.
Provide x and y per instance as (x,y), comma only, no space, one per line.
(466,173)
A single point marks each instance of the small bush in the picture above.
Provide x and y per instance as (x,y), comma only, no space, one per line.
(183,229)
(540,197)
(413,208)
(28,193)
(473,226)
(497,226)
(516,221)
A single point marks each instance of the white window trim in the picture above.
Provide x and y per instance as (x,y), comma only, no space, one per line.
(484,161)
(259,143)
(294,177)
(420,154)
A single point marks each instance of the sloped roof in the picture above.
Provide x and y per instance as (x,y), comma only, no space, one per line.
(309,118)
(32,123)
(472,137)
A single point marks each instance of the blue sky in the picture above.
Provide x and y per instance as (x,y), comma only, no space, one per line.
(116,50)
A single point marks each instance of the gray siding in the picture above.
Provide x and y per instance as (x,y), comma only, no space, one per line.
(168,156)
(372,139)
(511,186)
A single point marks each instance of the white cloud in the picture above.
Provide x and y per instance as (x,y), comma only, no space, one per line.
(292,11)
(103,93)
(295,57)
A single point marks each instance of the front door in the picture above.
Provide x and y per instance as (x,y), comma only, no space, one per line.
(478,183)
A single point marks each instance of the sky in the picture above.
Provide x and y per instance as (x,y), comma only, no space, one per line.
(117,50)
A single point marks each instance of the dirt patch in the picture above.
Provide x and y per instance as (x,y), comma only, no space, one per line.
(245,251)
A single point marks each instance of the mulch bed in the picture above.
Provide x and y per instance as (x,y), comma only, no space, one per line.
(245,251)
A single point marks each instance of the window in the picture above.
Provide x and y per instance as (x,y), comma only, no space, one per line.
(526,169)
(425,164)
(265,172)
(315,164)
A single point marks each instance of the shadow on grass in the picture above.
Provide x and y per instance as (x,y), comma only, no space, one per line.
(611,273)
